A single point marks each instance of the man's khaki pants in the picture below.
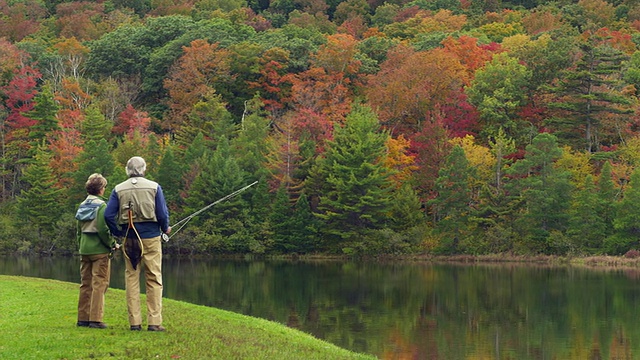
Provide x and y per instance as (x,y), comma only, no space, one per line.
(95,273)
(152,263)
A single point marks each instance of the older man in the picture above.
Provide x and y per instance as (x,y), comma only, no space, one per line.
(138,212)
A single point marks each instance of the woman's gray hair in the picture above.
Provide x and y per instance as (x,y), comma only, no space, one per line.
(136,166)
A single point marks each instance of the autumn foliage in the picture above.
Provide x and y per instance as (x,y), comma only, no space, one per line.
(371,127)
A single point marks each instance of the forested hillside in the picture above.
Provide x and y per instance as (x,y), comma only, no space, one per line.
(444,126)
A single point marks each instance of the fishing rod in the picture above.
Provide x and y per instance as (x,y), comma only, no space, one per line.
(180,224)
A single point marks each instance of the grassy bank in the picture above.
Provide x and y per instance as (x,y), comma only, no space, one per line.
(38,317)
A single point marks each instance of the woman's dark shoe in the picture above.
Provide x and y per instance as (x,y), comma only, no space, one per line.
(83,323)
(136,327)
(156,328)
(97,325)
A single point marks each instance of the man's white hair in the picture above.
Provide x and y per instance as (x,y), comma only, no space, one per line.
(136,166)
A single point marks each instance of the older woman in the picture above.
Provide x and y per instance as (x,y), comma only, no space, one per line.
(95,246)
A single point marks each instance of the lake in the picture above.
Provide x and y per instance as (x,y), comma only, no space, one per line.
(411,310)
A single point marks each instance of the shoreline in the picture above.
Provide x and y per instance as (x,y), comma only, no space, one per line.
(591,261)
(620,261)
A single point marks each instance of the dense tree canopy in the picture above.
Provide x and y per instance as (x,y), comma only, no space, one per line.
(404,126)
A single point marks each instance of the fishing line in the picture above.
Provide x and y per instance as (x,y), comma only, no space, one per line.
(180,224)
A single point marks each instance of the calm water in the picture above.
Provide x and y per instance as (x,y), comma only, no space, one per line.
(412,311)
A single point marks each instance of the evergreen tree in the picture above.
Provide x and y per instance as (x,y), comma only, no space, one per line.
(355,187)
(627,219)
(280,220)
(304,226)
(307,156)
(95,125)
(208,116)
(195,150)
(545,192)
(590,92)
(406,209)
(497,208)
(294,228)
(492,221)
(152,155)
(40,205)
(252,147)
(251,141)
(132,145)
(45,113)
(451,207)
(260,201)
(191,165)
(226,226)
(587,228)
(169,177)
(607,196)
(96,158)
(501,146)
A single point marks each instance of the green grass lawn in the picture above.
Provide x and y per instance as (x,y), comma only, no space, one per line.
(38,321)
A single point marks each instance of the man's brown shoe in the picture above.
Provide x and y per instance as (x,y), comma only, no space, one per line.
(156,328)
(136,327)
(97,325)
(83,323)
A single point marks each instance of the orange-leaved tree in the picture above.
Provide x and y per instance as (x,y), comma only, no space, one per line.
(271,82)
(470,54)
(192,78)
(399,159)
(412,86)
(328,86)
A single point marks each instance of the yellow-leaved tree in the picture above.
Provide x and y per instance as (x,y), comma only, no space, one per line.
(480,158)
(399,160)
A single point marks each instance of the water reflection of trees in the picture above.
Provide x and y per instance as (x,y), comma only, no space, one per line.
(420,311)
(438,312)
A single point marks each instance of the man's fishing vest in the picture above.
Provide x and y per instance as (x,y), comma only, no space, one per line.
(139,195)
